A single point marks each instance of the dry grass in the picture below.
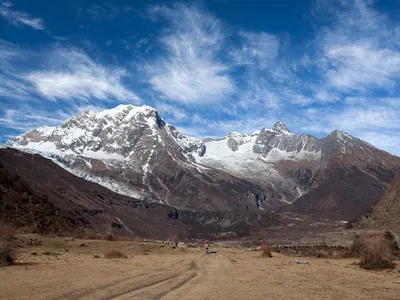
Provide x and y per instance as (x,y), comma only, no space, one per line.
(7,245)
(114,254)
(232,274)
(266,249)
(374,251)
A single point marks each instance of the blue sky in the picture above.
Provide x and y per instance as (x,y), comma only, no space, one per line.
(209,67)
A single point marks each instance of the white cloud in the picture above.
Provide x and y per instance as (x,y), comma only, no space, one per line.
(177,113)
(18,18)
(27,118)
(258,50)
(11,84)
(359,52)
(373,120)
(71,73)
(362,66)
(106,12)
(218,128)
(387,142)
(257,95)
(191,72)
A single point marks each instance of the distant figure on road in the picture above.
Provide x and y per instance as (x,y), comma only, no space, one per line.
(207,245)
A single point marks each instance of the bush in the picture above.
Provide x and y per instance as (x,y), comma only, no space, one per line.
(109,237)
(394,246)
(266,249)
(357,246)
(375,252)
(7,253)
(115,254)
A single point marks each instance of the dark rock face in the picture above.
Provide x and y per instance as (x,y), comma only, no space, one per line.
(160,122)
(202,150)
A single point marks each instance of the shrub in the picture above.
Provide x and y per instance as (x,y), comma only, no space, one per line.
(109,237)
(115,254)
(375,253)
(266,249)
(391,239)
(357,246)
(7,253)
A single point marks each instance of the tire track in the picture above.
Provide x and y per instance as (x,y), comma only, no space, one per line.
(148,289)
(179,285)
(85,293)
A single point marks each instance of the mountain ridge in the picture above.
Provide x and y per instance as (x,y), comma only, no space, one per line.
(133,151)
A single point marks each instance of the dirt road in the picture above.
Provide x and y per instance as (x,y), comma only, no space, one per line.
(163,273)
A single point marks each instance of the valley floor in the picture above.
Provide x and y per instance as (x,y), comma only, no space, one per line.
(154,271)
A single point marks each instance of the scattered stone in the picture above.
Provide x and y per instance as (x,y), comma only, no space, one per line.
(252,249)
(82,245)
(50,253)
(301,262)
(34,242)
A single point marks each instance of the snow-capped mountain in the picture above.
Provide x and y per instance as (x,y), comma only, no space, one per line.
(336,176)
(131,150)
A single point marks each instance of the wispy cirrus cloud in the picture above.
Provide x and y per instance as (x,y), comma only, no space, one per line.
(177,113)
(360,51)
(259,49)
(191,71)
(363,117)
(71,73)
(19,18)
(11,84)
(26,118)
(106,11)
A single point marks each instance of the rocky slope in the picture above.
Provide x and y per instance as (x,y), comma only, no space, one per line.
(132,151)
(37,193)
(385,212)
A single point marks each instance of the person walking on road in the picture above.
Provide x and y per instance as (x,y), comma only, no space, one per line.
(207,245)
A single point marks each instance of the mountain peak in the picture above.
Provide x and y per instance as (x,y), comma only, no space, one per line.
(280,127)
(125,108)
